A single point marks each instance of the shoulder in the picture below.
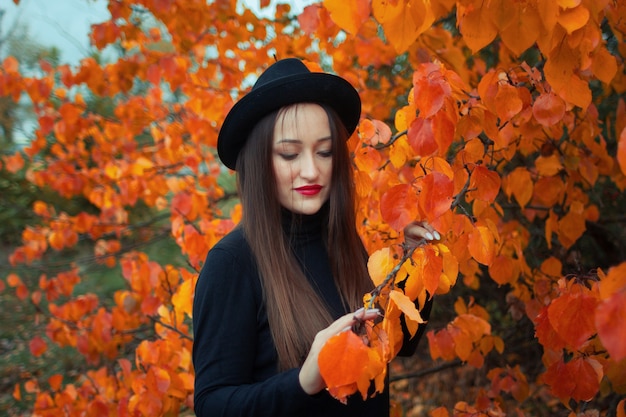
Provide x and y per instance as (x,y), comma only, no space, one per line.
(230,256)
(233,245)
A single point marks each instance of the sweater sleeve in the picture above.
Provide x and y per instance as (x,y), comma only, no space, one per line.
(225,309)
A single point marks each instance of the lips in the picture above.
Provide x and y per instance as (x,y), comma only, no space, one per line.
(309,190)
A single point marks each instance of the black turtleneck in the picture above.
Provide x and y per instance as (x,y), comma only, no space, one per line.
(235,361)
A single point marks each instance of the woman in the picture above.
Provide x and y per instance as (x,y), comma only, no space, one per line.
(287,278)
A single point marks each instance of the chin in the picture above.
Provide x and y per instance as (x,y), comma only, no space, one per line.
(307,207)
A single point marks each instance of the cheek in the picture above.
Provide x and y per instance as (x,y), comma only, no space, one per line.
(283,173)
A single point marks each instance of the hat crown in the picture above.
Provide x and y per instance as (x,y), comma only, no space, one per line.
(282,69)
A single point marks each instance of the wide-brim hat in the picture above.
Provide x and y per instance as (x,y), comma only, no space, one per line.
(285,82)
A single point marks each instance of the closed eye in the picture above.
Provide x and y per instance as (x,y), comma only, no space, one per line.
(288,156)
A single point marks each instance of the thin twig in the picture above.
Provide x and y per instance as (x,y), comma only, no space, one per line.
(418,374)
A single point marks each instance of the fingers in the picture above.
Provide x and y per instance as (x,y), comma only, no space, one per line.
(347,321)
(417,232)
(310,379)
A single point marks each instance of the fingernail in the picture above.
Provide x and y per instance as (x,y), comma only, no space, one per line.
(437,235)
(372,310)
(429,236)
(360,310)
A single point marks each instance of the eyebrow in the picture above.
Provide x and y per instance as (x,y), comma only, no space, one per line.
(298,141)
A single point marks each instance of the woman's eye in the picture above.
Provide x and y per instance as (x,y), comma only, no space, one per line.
(288,156)
(325,154)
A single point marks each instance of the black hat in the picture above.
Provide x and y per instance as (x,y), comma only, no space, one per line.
(285,82)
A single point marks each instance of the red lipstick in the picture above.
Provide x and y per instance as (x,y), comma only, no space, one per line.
(309,190)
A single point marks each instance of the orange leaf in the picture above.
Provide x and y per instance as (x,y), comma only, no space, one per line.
(430,89)
(519,184)
(342,360)
(574,18)
(503,270)
(507,101)
(548,109)
(481,245)
(476,26)
(55,382)
(13,280)
(13,163)
(157,380)
(484,183)
(374,132)
(604,65)
(398,206)
(548,165)
(17,392)
(522,26)
(576,91)
(436,195)
(348,15)
(572,225)
(441,345)
(612,282)
(610,320)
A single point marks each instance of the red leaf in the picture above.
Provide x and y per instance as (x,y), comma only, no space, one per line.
(37,346)
(610,320)
(577,379)
(572,316)
(436,196)
(398,206)
(421,137)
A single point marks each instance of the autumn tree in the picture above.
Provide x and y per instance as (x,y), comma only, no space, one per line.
(500,123)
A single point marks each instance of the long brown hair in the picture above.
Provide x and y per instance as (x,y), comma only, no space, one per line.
(286,288)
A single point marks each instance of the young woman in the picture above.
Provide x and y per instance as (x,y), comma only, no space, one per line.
(292,274)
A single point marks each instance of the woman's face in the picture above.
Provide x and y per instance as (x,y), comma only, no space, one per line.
(302,158)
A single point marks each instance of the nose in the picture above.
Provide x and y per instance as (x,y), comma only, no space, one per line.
(308,166)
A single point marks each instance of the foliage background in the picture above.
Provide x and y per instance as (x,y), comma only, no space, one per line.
(502,123)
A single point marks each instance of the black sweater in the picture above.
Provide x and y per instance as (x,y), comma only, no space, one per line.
(234,356)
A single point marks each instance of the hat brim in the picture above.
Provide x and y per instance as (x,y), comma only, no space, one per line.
(314,87)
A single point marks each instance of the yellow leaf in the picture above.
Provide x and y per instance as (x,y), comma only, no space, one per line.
(348,15)
(141,165)
(521,24)
(182,299)
(113,171)
(380,265)
(402,21)
(407,306)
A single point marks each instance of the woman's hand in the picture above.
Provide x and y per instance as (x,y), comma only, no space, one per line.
(416,233)
(310,377)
